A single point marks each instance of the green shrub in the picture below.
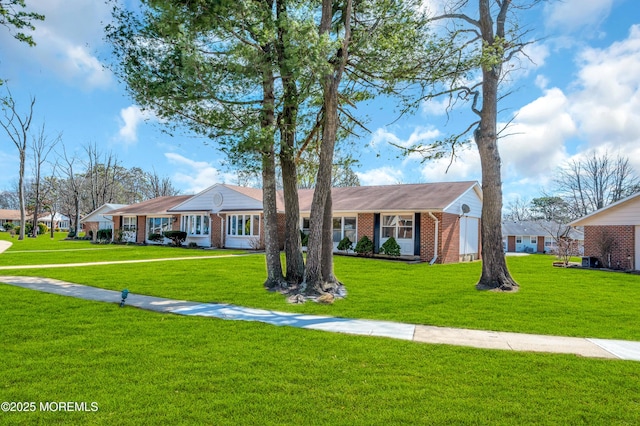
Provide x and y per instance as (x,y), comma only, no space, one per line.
(305,239)
(103,234)
(364,246)
(177,237)
(345,244)
(42,228)
(71,234)
(156,238)
(8,226)
(193,245)
(390,247)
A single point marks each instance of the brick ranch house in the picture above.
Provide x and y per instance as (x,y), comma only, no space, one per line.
(436,222)
(612,234)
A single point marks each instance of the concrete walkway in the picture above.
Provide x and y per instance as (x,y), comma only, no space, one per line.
(4,245)
(593,348)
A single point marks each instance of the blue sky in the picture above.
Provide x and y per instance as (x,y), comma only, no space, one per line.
(580,92)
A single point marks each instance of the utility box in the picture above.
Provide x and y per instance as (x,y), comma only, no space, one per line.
(590,262)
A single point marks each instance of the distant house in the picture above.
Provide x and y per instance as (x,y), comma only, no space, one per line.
(58,221)
(438,222)
(9,216)
(536,236)
(612,234)
(99,219)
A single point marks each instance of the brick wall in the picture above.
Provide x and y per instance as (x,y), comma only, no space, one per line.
(365,226)
(623,237)
(449,238)
(141,227)
(218,230)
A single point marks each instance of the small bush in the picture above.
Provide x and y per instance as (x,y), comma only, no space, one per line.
(177,237)
(103,234)
(156,238)
(364,246)
(71,234)
(42,228)
(9,226)
(193,245)
(390,247)
(345,244)
(305,239)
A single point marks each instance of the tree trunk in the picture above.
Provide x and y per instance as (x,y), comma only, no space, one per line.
(274,279)
(293,242)
(272,247)
(318,278)
(495,274)
(23,214)
(321,206)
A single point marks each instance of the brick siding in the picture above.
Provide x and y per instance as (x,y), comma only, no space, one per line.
(365,226)
(623,251)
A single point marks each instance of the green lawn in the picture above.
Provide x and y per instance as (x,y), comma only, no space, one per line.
(148,368)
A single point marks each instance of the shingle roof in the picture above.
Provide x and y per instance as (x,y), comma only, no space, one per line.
(158,205)
(410,197)
(538,228)
(9,214)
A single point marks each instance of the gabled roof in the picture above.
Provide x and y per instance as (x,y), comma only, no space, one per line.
(98,214)
(538,229)
(389,198)
(204,199)
(627,208)
(9,214)
(155,206)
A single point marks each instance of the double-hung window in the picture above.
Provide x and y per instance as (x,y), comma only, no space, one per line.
(344,227)
(195,224)
(129,224)
(247,225)
(397,226)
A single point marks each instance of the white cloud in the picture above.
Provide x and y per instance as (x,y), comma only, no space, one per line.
(131,117)
(67,43)
(606,97)
(435,106)
(534,147)
(380,176)
(465,166)
(194,176)
(420,135)
(571,15)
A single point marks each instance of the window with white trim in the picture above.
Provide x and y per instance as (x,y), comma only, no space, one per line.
(398,226)
(533,239)
(129,223)
(518,239)
(344,227)
(195,225)
(247,225)
(158,225)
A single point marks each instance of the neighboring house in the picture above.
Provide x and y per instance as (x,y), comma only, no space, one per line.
(100,219)
(136,222)
(536,236)
(437,222)
(9,216)
(59,221)
(612,234)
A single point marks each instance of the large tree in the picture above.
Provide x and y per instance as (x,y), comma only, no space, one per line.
(16,126)
(41,146)
(491,33)
(595,181)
